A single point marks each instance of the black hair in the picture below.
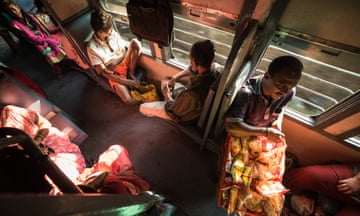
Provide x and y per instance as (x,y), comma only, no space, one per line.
(38,4)
(288,65)
(101,21)
(203,53)
(4,6)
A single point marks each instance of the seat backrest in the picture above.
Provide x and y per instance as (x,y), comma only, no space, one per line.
(205,112)
(64,123)
(210,96)
(14,93)
(152,20)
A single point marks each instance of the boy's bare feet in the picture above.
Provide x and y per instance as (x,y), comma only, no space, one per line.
(349,185)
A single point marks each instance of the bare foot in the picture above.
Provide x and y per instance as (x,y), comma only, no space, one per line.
(349,185)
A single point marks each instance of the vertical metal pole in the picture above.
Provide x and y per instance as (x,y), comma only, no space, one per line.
(243,20)
(79,51)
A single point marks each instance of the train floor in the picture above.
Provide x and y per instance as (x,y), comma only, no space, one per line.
(169,159)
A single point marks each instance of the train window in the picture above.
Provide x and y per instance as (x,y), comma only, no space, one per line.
(118,10)
(355,141)
(329,86)
(329,75)
(186,32)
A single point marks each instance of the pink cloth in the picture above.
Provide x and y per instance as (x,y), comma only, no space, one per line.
(20,118)
(115,159)
(122,178)
(68,157)
(67,154)
(50,47)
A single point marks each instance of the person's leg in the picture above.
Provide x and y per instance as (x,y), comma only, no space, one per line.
(133,54)
(321,179)
(124,94)
(154,109)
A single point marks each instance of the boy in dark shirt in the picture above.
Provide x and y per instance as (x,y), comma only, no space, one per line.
(187,105)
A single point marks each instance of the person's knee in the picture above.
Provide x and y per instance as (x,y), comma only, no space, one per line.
(135,43)
(135,47)
(304,177)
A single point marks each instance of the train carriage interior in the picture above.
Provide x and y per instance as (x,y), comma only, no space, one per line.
(181,162)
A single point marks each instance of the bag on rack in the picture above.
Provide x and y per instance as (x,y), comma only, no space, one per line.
(151,20)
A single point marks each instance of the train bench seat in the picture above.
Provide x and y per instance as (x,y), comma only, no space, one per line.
(13,92)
